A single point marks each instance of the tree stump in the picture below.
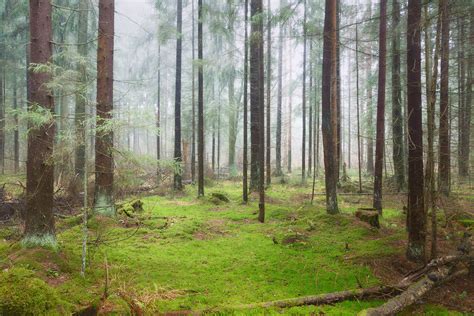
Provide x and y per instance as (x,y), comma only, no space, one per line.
(368,215)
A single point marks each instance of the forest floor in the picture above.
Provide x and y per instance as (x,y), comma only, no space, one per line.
(183,254)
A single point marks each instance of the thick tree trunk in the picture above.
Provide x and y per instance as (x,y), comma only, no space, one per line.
(80,113)
(200,104)
(397,118)
(39,218)
(246,69)
(444,165)
(2,96)
(416,212)
(104,163)
(257,103)
(380,139)
(329,107)
(178,184)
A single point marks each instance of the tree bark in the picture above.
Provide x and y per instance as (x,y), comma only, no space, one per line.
(278,167)
(303,99)
(39,218)
(444,165)
(380,139)
(245,133)
(397,117)
(359,152)
(200,103)
(269,97)
(193,100)
(178,184)
(104,162)
(416,219)
(329,107)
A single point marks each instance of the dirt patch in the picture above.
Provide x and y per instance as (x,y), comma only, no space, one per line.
(212,229)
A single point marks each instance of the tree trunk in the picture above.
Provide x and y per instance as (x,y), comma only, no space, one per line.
(269,96)
(233,106)
(246,69)
(80,113)
(329,106)
(310,114)
(444,166)
(200,104)
(178,184)
(158,114)
(380,140)
(39,218)
(257,103)
(397,118)
(359,149)
(16,133)
(278,167)
(338,91)
(2,96)
(104,163)
(303,100)
(465,112)
(193,100)
(431,83)
(370,117)
(416,212)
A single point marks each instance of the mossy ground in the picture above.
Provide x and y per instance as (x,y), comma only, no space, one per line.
(188,254)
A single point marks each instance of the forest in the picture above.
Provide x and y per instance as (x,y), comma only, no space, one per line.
(236,157)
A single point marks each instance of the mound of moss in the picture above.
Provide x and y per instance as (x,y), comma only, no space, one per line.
(21,293)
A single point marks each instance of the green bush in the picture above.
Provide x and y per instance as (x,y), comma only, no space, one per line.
(21,293)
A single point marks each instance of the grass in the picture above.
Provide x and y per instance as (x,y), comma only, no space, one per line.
(191,254)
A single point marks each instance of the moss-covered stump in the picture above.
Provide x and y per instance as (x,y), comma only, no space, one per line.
(21,293)
(130,208)
(219,198)
(368,215)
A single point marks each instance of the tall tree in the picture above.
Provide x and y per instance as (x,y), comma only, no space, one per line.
(200,104)
(193,99)
(104,162)
(158,114)
(329,106)
(233,105)
(2,90)
(380,140)
(444,166)
(465,112)
(178,184)
(39,218)
(359,147)
(269,95)
(431,83)
(278,167)
(397,118)
(303,99)
(80,113)
(245,133)
(257,102)
(416,212)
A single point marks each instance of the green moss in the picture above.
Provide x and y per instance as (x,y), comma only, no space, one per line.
(21,293)
(47,241)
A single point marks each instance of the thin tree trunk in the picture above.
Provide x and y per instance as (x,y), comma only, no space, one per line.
(431,83)
(200,103)
(397,118)
(329,106)
(158,115)
(178,184)
(278,169)
(193,100)
(303,102)
(359,149)
(16,133)
(310,114)
(39,218)
(416,211)
(444,165)
(104,162)
(80,112)
(380,140)
(338,91)
(246,69)
(290,111)
(269,96)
